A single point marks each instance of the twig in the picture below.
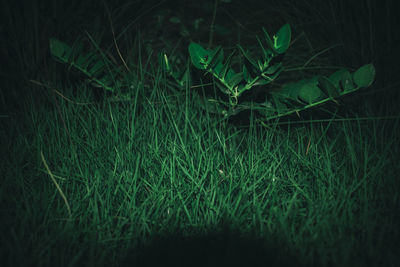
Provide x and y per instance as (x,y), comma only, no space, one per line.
(308,146)
(56,184)
(113,33)
(59,93)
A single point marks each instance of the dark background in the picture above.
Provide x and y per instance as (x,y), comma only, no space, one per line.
(364,31)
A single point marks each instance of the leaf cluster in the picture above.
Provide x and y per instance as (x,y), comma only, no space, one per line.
(290,98)
(95,65)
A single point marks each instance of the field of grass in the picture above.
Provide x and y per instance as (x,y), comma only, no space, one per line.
(159,181)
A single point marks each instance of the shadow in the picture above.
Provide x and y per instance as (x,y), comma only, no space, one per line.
(217,248)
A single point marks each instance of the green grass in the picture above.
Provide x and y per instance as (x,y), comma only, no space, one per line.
(158,180)
(129,173)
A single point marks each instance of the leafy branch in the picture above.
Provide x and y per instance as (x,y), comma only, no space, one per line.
(290,98)
(293,97)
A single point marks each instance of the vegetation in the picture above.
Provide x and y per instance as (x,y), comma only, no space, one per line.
(149,174)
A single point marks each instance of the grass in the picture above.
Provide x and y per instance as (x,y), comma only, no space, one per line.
(159,180)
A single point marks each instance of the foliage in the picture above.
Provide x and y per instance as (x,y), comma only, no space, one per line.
(100,70)
(292,97)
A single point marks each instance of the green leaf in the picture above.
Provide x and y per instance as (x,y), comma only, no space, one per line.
(316,91)
(216,56)
(60,51)
(273,69)
(364,76)
(272,77)
(235,79)
(246,75)
(310,91)
(262,81)
(229,75)
(293,103)
(327,87)
(342,80)
(198,55)
(97,67)
(347,82)
(83,60)
(268,39)
(77,50)
(291,90)
(227,68)
(279,104)
(282,39)
(222,88)
(267,54)
(91,64)
(248,58)
(57,48)
(89,59)
(218,69)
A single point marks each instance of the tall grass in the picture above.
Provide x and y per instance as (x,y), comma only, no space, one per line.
(159,180)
